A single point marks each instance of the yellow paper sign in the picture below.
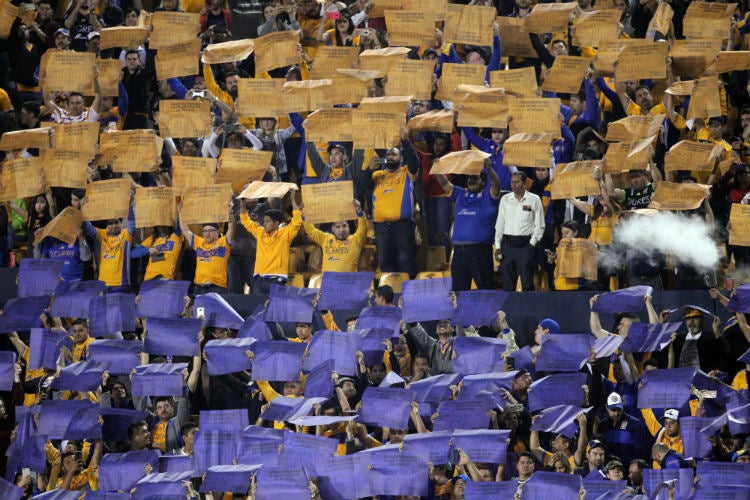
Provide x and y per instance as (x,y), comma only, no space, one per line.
(456,74)
(65,168)
(328,202)
(528,150)
(329,59)
(739,225)
(470,24)
(203,204)
(381,60)
(550,17)
(706,99)
(625,156)
(131,150)
(378,9)
(109,76)
(155,206)
(276,50)
(58,74)
(334,124)
(708,19)
(521,81)
(642,61)
(75,136)
(177,60)
(107,200)
(31,138)
(184,118)
(439,120)
(469,162)
(225,52)
(260,189)
(678,196)
(376,129)
(735,60)
(660,22)
(394,104)
(691,57)
(485,108)
(410,28)
(515,37)
(122,36)
(410,77)
(348,88)
(260,97)
(597,25)
(308,95)
(190,172)
(576,259)
(633,128)
(691,155)
(8,15)
(566,74)
(609,50)
(242,165)
(64,227)
(21,178)
(575,179)
(173,28)
(535,116)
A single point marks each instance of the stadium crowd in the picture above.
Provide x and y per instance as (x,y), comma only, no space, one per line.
(370,354)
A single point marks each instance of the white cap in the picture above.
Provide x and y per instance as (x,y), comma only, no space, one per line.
(673,414)
(614,401)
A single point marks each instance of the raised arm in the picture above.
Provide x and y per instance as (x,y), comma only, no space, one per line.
(594,322)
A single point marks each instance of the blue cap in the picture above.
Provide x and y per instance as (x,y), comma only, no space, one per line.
(62,31)
(551,325)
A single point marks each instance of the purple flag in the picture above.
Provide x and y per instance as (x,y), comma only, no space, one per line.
(344,478)
(669,388)
(284,408)
(341,347)
(630,299)
(478,355)
(254,327)
(559,389)
(724,473)
(652,478)
(119,356)
(291,304)
(215,447)
(524,360)
(435,389)
(432,446)
(116,422)
(485,383)
(161,485)
(559,420)
(58,495)
(597,488)
(605,346)
(371,343)
(175,463)
(720,492)
(388,317)
(299,447)
(22,313)
(340,291)
(44,348)
(319,383)
(648,337)
(111,313)
(289,483)
(38,277)
(106,495)
(740,301)
(321,420)
(224,419)
(490,490)
(455,414)
(162,298)
(227,356)
(216,312)
(545,484)
(745,358)
(260,451)
(393,472)
(563,352)
(426,300)
(739,419)
(376,400)
(277,360)
(173,336)
(7,370)
(8,490)
(677,314)
(232,478)
(478,307)
(162,379)
(72,298)
(693,443)
(485,446)
(69,419)
(82,376)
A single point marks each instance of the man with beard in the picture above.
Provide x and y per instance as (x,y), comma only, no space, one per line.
(700,347)
(340,249)
(595,452)
(338,167)
(137,82)
(667,434)
(231,82)
(163,249)
(625,434)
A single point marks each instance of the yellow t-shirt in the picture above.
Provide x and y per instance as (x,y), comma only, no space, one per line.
(114,268)
(272,254)
(159,436)
(339,256)
(211,261)
(392,195)
(81,351)
(163,264)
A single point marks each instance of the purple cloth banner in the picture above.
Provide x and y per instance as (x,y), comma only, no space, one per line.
(544,484)
(745,358)
(740,301)
(485,383)
(285,408)
(630,299)
(371,343)
(111,313)
(432,446)
(277,360)
(739,419)
(175,463)
(435,389)
(173,336)
(299,447)
(668,388)
(214,447)
(341,347)
(163,379)
(254,327)
(161,485)
(22,313)
(724,473)
(693,443)
(340,291)
(720,492)
(82,376)
(162,298)
(559,420)
(260,451)
(426,300)
(398,402)
(478,355)
(652,478)
(490,490)
(44,348)
(58,495)
(455,414)
(595,488)
(388,317)
(290,304)
(649,337)
(524,360)
(7,370)
(319,383)
(118,356)
(563,352)
(116,422)
(72,298)
(555,390)
(224,419)
(478,307)
(393,472)
(485,446)
(232,478)
(289,483)
(69,419)
(106,495)
(37,277)
(227,356)
(216,312)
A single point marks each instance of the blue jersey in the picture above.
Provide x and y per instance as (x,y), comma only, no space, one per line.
(474,216)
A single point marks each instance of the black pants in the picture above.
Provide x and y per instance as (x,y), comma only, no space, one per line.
(262,284)
(204,289)
(517,261)
(472,262)
(397,248)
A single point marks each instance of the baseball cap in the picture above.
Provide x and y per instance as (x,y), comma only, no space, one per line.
(62,31)
(93,34)
(595,443)
(551,325)
(691,312)
(614,401)
(613,465)
(719,120)
(672,414)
